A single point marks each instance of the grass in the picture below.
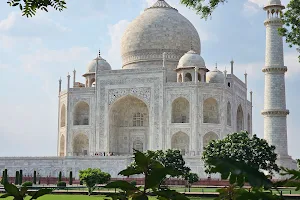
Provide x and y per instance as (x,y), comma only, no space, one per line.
(86,197)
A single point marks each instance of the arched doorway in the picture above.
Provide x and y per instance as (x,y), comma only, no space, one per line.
(181,142)
(80,145)
(63,116)
(208,137)
(128,125)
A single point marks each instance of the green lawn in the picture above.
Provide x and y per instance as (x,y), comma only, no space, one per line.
(85,197)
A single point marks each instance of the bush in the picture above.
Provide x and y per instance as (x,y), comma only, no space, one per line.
(133,183)
(61,184)
(81,182)
(27,184)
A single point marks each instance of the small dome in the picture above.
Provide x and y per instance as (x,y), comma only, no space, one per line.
(274,2)
(102,65)
(215,76)
(190,60)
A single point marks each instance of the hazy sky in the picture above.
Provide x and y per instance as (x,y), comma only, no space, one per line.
(35,52)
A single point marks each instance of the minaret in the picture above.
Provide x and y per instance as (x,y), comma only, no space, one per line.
(275,112)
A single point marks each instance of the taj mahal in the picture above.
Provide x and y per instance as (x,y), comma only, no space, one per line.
(163,97)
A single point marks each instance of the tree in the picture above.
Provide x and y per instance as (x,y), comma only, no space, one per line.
(21,177)
(170,158)
(70,178)
(290,18)
(191,178)
(255,152)
(29,7)
(34,177)
(91,177)
(154,172)
(59,176)
(291,21)
(17,178)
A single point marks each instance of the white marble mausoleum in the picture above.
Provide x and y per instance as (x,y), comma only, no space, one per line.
(163,97)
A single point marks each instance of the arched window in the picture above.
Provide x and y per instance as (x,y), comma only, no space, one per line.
(239,119)
(181,142)
(138,119)
(180,110)
(228,114)
(211,111)
(180,78)
(81,113)
(199,77)
(93,82)
(208,137)
(62,146)
(188,77)
(249,124)
(80,145)
(138,145)
(63,116)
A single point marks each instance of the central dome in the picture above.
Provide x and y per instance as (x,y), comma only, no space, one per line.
(160,28)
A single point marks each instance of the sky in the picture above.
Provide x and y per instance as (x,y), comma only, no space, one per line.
(35,52)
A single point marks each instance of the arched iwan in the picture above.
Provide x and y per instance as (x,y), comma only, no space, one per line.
(211,111)
(180,110)
(128,125)
(81,113)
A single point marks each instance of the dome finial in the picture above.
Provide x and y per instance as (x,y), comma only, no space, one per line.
(99,53)
(216,65)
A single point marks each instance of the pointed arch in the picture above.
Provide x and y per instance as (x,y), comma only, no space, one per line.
(228,114)
(81,145)
(180,110)
(187,77)
(62,142)
(208,137)
(211,111)
(180,141)
(63,116)
(81,113)
(239,119)
(125,115)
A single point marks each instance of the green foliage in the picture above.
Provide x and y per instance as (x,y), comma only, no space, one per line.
(61,184)
(154,172)
(17,178)
(29,7)
(34,177)
(70,178)
(298,163)
(2,178)
(253,151)
(192,178)
(294,177)
(59,176)
(91,177)
(12,191)
(291,21)
(27,184)
(202,7)
(21,177)
(170,158)
(133,183)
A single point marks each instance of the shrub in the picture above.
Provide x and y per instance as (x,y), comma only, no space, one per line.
(81,183)
(27,184)
(61,184)
(133,183)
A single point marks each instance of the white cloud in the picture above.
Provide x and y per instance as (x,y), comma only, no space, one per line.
(114,52)
(8,23)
